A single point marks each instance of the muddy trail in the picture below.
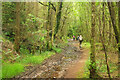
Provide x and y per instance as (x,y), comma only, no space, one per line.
(61,65)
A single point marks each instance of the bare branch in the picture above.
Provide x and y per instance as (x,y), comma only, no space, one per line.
(53,7)
(43,4)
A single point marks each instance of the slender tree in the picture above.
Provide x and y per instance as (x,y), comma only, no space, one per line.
(103,18)
(119,25)
(113,19)
(119,37)
(92,54)
(17,28)
(102,38)
(48,27)
(60,5)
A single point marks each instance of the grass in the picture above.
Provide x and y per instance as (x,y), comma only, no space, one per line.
(36,59)
(10,70)
(86,68)
(86,44)
(86,71)
(58,50)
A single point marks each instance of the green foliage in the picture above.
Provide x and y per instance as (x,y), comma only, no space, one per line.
(103,68)
(24,51)
(9,35)
(113,67)
(86,70)
(58,50)
(119,44)
(33,30)
(86,44)
(11,70)
(88,63)
(8,15)
(36,59)
(8,19)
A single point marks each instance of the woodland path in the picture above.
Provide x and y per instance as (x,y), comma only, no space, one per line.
(78,66)
(64,65)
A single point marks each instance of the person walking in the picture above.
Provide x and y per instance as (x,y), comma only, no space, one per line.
(73,37)
(80,40)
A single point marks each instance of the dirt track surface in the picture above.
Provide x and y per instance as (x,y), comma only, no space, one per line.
(63,65)
(78,66)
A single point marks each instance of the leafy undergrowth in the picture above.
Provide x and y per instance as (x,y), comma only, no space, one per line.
(86,71)
(10,70)
(101,65)
(13,64)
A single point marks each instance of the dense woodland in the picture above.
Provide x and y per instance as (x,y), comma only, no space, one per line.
(32,28)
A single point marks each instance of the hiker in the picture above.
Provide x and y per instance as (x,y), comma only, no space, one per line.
(80,40)
(73,37)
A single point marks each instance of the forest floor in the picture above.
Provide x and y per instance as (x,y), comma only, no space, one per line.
(66,64)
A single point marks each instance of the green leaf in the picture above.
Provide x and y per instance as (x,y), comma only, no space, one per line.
(42,38)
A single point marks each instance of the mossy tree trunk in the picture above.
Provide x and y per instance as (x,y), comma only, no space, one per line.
(48,27)
(119,24)
(92,54)
(102,38)
(53,27)
(17,28)
(113,19)
(119,37)
(58,17)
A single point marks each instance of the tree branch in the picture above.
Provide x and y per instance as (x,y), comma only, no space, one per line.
(43,4)
(53,7)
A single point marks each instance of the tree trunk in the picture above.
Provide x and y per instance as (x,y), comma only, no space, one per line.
(112,15)
(53,27)
(17,28)
(48,26)
(119,38)
(104,47)
(110,31)
(58,16)
(102,38)
(103,18)
(92,54)
(119,25)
